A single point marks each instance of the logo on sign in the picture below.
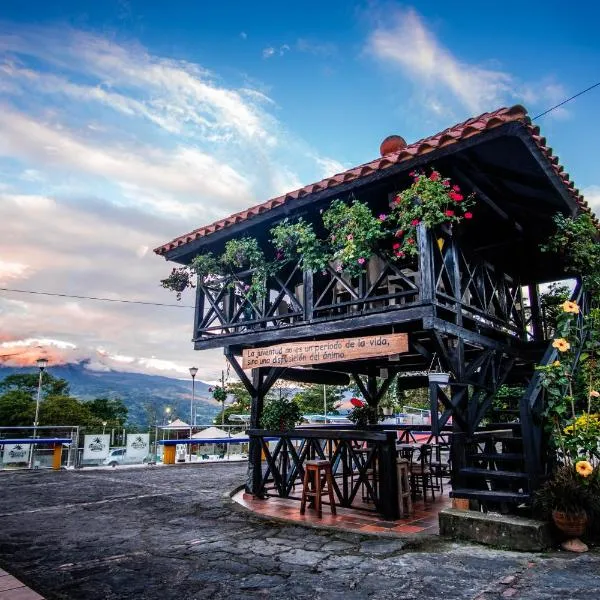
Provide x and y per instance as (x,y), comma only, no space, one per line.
(96,445)
(139,443)
(17,451)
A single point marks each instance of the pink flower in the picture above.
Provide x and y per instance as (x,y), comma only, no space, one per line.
(446,183)
(361,261)
(400,254)
(396,246)
(333,238)
(399,233)
(412,173)
(338,268)
(468,215)
(410,241)
(435,176)
(456,188)
(449,213)
(382,217)
(456,197)
(350,237)
(415,222)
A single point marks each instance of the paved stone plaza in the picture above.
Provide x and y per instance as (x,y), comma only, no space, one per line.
(169,533)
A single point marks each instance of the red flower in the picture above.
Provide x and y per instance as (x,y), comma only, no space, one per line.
(456,188)
(446,183)
(396,246)
(410,241)
(449,213)
(357,402)
(415,222)
(456,197)
(468,215)
(400,254)
(399,233)
(435,176)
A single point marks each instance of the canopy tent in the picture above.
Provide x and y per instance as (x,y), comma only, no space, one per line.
(210,433)
(176,424)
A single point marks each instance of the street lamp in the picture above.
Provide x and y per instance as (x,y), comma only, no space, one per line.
(42,363)
(193,371)
(104,424)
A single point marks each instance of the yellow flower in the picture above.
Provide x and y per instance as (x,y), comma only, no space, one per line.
(594,394)
(561,344)
(556,363)
(570,307)
(584,468)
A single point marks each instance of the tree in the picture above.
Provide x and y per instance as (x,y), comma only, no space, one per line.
(28,382)
(310,398)
(111,410)
(66,410)
(240,405)
(17,407)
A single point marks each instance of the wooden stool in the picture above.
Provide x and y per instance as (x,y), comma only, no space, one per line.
(404,494)
(317,482)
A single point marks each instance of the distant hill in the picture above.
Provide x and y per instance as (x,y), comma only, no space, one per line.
(146,396)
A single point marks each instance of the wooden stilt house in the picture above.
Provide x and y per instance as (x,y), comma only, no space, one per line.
(469,299)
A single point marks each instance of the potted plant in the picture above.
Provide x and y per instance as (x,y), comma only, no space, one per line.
(280,414)
(363,415)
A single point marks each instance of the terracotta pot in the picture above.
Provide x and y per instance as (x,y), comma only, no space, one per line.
(571,524)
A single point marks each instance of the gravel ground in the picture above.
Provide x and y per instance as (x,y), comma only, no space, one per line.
(170,533)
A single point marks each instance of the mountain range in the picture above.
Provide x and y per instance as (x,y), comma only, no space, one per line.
(146,396)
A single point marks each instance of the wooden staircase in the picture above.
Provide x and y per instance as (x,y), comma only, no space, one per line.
(505,465)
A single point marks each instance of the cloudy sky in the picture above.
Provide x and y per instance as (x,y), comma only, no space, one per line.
(126,123)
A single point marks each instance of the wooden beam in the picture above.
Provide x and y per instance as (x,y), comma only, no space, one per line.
(355,323)
(318,376)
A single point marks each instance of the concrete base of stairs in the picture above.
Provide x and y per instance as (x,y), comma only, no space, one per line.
(501,531)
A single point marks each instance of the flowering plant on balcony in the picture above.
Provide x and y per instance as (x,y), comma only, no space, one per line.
(297,241)
(354,234)
(432,200)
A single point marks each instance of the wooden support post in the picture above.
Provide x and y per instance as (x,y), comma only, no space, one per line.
(57,457)
(388,478)
(536,313)
(169,455)
(427,290)
(254,473)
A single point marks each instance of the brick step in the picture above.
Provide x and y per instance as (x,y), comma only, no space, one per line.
(489,474)
(490,495)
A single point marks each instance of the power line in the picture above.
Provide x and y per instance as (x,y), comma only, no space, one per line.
(567,100)
(94,298)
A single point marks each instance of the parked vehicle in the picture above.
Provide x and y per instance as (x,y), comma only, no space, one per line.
(118,456)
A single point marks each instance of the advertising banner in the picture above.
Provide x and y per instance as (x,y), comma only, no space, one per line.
(138,445)
(16,453)
(96,447)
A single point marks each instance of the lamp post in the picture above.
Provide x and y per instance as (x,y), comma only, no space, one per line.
(193,371)
(104,424)
(42,363)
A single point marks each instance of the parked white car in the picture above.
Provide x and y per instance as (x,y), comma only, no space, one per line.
(118,456)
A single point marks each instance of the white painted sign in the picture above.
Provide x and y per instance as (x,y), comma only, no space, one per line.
(138,445)
(16,453)
(96,447)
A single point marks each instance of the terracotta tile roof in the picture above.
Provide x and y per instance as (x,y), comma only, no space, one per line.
(448,137)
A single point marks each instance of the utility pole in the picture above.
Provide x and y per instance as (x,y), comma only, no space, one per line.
(325,403)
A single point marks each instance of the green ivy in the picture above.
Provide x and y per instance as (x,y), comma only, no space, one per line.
(297,240)
(280,414)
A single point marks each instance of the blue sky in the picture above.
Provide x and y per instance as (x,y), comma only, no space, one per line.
(125,123)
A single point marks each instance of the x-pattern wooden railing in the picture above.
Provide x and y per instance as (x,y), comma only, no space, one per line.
(361,461)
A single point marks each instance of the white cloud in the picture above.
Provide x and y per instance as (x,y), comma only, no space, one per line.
(592,196)
(268,52)
(404,41)
(329,166)
(409,45)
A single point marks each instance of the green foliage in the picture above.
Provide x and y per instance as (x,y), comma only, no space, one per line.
(432,201)
(219,393)
(310,399)
(111,410)
(569,492)
(65,410)
(17,407)
(550,304)
(280,414)
(295,241)
(576,241)
(354,234)
(28,383)
(365,415)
